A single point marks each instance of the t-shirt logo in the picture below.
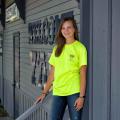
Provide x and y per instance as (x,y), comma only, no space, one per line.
(71,57)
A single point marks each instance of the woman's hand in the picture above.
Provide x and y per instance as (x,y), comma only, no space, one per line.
(47,86)
(40,98)
(79,103)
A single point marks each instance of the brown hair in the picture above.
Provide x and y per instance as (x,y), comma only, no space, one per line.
(60,40)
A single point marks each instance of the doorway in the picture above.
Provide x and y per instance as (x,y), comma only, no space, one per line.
(16,71)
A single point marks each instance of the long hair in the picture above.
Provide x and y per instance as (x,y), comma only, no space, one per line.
(60,39)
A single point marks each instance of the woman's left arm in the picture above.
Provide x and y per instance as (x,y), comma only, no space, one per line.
(80,101)
(83,71)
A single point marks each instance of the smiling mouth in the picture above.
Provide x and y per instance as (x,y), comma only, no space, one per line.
(66,34)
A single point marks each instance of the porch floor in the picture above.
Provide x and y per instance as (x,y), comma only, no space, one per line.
(4,114)
(5,118)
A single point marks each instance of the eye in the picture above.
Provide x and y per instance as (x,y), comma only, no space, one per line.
(69,27)
(63,28)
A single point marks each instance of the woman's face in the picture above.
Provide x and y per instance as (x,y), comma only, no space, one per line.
(68,30)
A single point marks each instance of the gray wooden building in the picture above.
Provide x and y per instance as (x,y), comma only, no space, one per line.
(27,33)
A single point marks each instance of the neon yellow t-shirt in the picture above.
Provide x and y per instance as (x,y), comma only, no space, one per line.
(67,68)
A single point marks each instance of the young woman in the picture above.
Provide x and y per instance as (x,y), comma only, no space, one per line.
(68,72)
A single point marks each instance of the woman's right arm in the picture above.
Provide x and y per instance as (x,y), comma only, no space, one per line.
(49,80)
(47,86)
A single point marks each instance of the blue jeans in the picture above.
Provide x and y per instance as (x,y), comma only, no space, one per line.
(59,104)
